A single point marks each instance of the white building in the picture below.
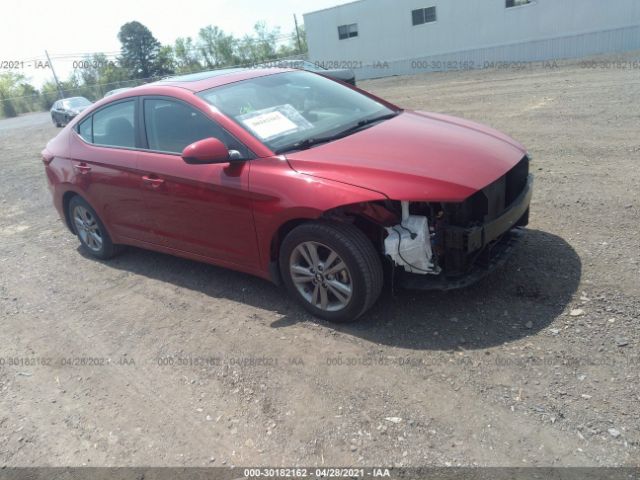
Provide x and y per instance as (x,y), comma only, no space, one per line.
(396,37)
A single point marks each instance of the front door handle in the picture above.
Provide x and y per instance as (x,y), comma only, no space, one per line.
(152,181)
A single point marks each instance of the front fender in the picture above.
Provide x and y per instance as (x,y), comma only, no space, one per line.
(281,195)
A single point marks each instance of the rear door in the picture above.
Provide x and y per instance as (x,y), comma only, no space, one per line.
(201,209)
(104,159)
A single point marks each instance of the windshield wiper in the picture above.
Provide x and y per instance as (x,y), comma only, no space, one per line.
(366,122)
(310,142)
(306,143)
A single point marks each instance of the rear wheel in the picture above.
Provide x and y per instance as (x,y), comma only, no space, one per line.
(90,230)
(332,269)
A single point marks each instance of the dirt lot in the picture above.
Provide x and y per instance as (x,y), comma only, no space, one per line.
(195,365)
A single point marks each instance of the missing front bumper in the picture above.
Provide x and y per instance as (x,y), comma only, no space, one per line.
(495,256)
(472,253)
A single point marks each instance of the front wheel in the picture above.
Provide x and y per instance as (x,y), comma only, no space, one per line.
(332,269)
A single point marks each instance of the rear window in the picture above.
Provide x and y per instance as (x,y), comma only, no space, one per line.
(113,125)
(85,130)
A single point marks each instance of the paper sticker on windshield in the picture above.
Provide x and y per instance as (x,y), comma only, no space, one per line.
(269,125)
(275,121)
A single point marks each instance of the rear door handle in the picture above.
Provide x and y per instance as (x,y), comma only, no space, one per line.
(152,181)
(82,168)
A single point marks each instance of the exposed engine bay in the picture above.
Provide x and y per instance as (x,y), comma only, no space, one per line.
(451,239)
(408,244)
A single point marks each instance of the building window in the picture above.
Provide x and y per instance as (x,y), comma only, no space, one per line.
(347,31)
(424,15)
(517,3)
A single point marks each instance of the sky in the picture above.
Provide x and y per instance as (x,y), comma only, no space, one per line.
(79,26)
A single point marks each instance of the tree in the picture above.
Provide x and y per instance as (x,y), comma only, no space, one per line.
(304,46)
(216,47)
(48,94)
(9,83)
(292,48)
(259,47)
(8,109)
(265,41)
(140,51)
(186,55)
(165,62)
(28,97)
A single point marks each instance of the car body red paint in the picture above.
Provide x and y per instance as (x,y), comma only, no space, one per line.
(230,214)
(415,156)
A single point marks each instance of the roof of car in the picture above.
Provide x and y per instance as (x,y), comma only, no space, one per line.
(197,82)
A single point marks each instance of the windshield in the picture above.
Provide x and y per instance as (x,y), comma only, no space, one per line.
(76,102)
(288,109)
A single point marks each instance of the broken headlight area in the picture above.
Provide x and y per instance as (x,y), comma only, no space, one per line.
(454,240)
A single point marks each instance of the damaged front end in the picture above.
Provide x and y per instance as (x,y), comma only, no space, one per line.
(443,246)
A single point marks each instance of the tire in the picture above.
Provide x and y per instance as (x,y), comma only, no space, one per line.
(348,292)
(90,230)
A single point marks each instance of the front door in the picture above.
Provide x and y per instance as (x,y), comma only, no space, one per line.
(201,209)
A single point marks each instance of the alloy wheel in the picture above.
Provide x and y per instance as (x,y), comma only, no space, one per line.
(87,228)
(321,276)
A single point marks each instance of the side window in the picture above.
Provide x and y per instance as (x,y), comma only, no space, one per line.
(171,126)
(85,129)
(113,125)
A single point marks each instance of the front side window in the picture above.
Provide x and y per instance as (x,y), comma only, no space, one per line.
(423,15)
(347,31)
(171,126)
(287,109)
(113,126)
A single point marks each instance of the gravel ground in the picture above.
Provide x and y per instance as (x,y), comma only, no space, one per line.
(153,360)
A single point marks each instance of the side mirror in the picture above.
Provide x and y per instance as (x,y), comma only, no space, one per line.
(209,150)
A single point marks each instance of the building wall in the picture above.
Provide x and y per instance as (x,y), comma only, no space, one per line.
(469,33)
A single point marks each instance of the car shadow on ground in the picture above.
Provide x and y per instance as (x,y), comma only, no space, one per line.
(516,301)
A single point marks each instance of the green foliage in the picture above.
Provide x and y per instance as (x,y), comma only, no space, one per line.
(8,109)
(165,61)
(143,58)
(48,94)
(12,88)
(216,48)
(140,51)
(186,56)
(304,46)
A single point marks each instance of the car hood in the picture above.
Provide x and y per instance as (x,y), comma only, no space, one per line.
(416,156)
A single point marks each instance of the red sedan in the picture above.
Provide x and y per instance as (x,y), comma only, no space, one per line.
(295,178)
